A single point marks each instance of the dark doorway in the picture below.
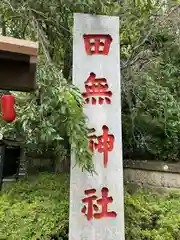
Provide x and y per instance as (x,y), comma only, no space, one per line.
(11,160)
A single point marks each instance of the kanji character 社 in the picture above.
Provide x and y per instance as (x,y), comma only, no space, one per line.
(97,208)
(103,143)
(97,43)
(97,88)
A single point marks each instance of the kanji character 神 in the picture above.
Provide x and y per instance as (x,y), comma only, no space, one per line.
(96,88)
(97,43)
(97,208)
(103,143)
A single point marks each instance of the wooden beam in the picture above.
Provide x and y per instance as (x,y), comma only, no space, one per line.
(18,59)
(21,46)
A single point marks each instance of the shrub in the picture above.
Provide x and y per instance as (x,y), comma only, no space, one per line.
(150,216)
(37,209)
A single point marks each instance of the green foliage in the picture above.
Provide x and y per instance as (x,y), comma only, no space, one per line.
(150,216)
(38,208)
(35,209)
(150,77)
(45,120)
(51,118)
(151,87)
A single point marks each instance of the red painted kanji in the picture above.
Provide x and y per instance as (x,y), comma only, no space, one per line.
(97,43)
(103,143)
(97,208)
(97,90)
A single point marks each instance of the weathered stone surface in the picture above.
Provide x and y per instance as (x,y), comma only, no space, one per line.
(153,165)
(98,115)
(143,177)
(152,179)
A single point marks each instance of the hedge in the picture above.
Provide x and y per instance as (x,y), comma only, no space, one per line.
(37,209)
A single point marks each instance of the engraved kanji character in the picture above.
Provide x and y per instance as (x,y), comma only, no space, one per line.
(97,208)
(103,143)
(97,88)
(97,43)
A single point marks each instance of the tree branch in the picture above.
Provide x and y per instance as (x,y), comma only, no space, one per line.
(3,25)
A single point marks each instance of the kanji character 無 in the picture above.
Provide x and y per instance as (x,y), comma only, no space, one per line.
(97,88)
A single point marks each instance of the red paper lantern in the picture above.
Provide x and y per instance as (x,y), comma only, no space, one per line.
(7,108)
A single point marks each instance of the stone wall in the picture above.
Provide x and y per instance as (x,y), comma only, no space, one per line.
(137,174)
(39,164)
(152,174)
